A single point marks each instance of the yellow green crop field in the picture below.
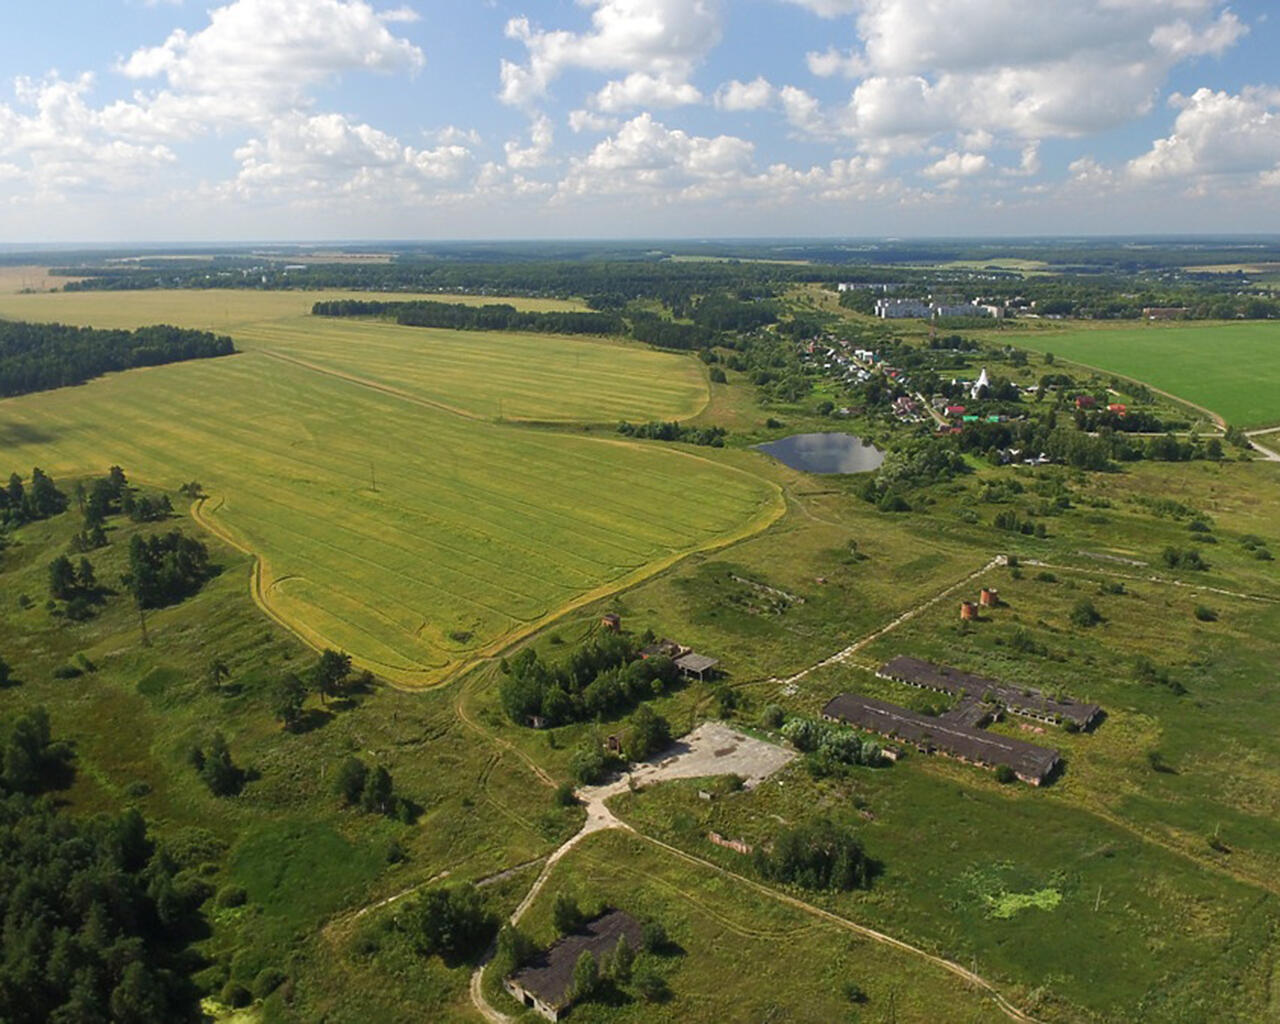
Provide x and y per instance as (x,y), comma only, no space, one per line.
(415,539)
(361,461)
(211,309)
(500,375)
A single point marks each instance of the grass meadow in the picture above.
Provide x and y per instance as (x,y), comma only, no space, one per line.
(1230,369)
(364,515)
(413,538)
(1118,893)
(1073,918)
(306,864)
(744,956)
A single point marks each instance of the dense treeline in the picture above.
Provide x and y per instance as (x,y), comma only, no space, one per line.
(39,357)
(920,462)
(607,284)
(94,914)
(22,504)
(721,312)
(461,317)
(164,569)
(662,333)
(599,678)
(1093,282)
(712,437)
(1065,439)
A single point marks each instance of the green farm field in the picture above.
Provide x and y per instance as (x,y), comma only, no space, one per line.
(1228,369)
(416,539)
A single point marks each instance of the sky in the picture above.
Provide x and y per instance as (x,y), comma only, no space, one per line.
(242,120)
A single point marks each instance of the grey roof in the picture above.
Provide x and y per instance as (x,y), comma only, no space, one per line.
(549,975)
(1027,759)
(694,662)
(1019,700)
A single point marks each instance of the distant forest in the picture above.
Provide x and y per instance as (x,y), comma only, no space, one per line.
(40,357)
(461,317)
(711,315)
(612,286)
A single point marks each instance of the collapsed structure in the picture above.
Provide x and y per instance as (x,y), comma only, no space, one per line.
(546,983)
(1018,700)
(959,732)
(954,734)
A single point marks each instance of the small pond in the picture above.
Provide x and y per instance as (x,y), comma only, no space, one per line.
(825,453)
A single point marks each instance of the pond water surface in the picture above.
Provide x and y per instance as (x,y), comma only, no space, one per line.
(825,453)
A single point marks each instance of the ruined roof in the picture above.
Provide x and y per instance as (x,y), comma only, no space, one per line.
(989,748)
(1017,699)
(549,975)
(694,662)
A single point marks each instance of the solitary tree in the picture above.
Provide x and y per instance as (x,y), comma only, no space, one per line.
(62,578)
(352,776)
(452,922)
(331,672)
(290,695)
(649,732)
(216,673)
(1084,614)
(217,770)
(377,794)
(623,959)
(565,914)
(586,977)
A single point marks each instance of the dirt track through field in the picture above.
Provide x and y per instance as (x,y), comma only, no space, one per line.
(1270,454)
(911,613)
(698,746)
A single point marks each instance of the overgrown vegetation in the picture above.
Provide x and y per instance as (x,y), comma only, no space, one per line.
(95,916)
(820,853)
(598,679)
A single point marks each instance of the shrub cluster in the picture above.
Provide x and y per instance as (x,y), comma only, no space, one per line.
(711,437)
(599,678)
(816,854)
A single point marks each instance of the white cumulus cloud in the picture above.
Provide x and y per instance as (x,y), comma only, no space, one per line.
(1015,70)
(256,58)
(1217,133)
(663,40)
(957,165)
(753,95)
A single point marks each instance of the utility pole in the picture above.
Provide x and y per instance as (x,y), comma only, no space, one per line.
(373,477)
